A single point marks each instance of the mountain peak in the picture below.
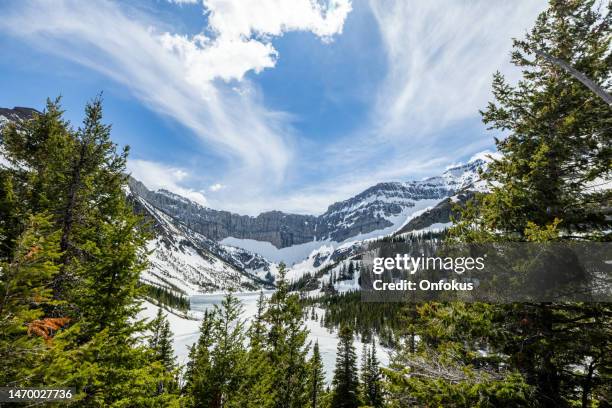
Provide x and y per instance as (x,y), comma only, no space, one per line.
(17,114)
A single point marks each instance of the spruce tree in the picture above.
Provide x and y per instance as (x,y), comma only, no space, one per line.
(345,381)
(557,142)
(546,186)
(316,378)
(216,371)
(365,372)
(78,177)
(257,386)
(161,345)
(351,270)
(228,354)
(199,367)
(287,345)
(371,379)
(24,290)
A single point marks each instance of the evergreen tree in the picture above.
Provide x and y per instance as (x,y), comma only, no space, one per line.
(316,378)
(216,371)
(24,290)
(365,372)
(78,178)
(161,345)
(287,346)
(371,379)
(351,270)
(559,140)
(345,382)
(542,188)
(228,352)
(256,389)
(199,366)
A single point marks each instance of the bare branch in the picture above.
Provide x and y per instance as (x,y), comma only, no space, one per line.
(598,90)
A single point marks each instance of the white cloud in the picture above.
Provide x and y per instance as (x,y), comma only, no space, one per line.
(244,18)
(158,176)
(216,187)
(225,58)
(242,34)
(441,58)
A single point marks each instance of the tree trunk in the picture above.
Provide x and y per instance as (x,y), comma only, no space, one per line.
(68,223)
(586,387)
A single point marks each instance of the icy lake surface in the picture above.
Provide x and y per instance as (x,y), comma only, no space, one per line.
(186,331)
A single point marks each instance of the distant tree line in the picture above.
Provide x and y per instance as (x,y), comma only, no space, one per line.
(167,297)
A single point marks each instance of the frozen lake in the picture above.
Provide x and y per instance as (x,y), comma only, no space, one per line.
(186,331)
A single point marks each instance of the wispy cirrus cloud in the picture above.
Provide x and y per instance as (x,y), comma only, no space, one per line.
(441,57)
(184,1)
(177,76)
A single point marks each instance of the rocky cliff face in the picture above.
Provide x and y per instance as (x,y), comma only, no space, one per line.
(374,209)
(187,262)
(278,228)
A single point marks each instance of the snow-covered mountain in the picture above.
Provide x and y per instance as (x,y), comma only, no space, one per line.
(339,233)
(382,208)
(17,114)
(183,260)
(388,205)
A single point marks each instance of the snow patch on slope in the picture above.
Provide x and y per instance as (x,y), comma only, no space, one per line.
(288,255)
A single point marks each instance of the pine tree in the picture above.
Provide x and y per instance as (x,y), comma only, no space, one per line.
(371,378)
(161,345)
(365,372)
(542,189)
(256,389)
(559,141)
(287,346)
(11,214)
(345,381)
(228,353)
(199,367)
(351,270)
(78,177)
(316,378)
(217,370)
(24,290)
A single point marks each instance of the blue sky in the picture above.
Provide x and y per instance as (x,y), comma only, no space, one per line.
(254,105)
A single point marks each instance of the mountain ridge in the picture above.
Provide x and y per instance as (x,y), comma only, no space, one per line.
(375,208)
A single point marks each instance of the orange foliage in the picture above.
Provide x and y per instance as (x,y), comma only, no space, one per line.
(46,327)
(33,251)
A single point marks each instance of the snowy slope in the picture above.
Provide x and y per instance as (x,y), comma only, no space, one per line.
(185,261)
